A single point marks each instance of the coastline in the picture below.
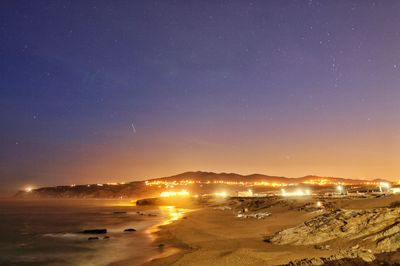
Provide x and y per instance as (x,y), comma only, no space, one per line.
(176,248)
(211,236)
(214,237)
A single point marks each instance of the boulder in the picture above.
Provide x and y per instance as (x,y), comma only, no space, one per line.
(130,230)
(94,231)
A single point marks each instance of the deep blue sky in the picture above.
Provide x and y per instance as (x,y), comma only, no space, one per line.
(95,91)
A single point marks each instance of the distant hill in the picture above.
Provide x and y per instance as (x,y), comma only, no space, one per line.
(204,176)
(139,189)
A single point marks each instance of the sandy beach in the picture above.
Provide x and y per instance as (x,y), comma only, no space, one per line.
(210,236)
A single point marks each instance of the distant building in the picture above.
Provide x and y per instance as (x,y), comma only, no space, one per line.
(395,190)
(248,193)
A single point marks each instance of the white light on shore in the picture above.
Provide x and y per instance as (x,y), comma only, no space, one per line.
(395,190)
(296,193)
(339,188)
(221,194)
(28,189)
(384,185)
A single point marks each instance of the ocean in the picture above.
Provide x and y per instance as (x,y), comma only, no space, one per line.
(46,232)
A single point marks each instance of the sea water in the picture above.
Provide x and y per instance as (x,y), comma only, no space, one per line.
(46,232)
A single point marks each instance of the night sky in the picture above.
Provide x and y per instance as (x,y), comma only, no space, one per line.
(98,91)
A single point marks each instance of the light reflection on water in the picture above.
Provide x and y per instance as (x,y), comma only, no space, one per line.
(169,214)
(173,213)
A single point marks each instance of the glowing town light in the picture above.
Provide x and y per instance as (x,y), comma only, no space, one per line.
(296,193)
(319,204)
(395,190)
(340,188)
(221,194)
(174,193)
(28,189)
(384,186)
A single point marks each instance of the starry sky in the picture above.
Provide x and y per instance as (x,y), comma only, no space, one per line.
(97,91)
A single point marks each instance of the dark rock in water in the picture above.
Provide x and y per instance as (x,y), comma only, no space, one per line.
(93,238)
(106,237)
(161,245)
(149,201)
(151,214)
(94,231)
(130,230)
(119,212)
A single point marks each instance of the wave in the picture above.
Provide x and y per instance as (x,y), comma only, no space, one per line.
(61,235)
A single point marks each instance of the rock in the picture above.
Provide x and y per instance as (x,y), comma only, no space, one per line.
(322,247)
(130,230)
(94,231)
(119,212)
(161,245)
(106,237)
(381,226)
(93,238)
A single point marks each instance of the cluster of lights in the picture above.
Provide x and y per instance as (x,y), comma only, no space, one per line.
(100,184)
(319,182)
(370,183)
(174,193)
(232,183)
(296,193)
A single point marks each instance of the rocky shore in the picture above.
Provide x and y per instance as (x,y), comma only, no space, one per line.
(376,229)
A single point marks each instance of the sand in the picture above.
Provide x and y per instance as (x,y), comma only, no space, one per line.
(217,237)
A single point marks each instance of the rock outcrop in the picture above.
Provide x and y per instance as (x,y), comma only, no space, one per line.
(379,226)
